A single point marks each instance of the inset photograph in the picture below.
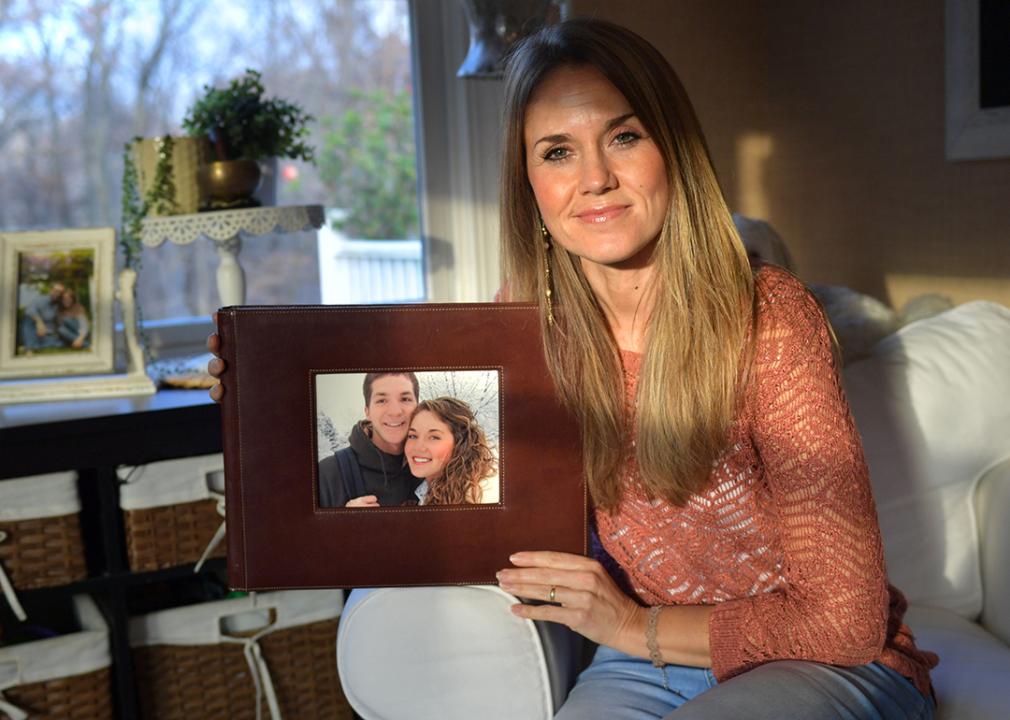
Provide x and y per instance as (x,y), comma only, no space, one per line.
(403,438)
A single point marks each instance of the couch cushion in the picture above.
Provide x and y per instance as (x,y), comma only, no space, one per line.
(931,404)
(992,504)
(441,652)
(971,681)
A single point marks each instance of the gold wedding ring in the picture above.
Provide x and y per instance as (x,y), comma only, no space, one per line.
(554,592)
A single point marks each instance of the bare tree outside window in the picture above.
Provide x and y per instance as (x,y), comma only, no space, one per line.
(80,78)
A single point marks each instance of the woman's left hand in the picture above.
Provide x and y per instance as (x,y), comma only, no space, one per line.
(586,598)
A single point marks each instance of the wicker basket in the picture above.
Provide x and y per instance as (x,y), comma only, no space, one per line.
(40,533)
(61,677)
(172,511)
(200,661)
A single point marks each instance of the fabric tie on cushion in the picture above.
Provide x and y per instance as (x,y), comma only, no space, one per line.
(259,670)
(8,588)
(218,535)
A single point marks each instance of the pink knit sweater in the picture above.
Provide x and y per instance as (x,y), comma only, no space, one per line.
(785,541)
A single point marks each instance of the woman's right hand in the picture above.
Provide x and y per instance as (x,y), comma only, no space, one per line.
(363,501)
(215,367)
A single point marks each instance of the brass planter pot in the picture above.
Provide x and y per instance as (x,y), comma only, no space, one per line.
(229,183)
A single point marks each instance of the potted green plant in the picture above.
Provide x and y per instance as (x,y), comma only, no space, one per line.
(367,164)
(245,129)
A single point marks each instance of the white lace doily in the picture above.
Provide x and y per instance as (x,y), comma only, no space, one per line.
(223,225)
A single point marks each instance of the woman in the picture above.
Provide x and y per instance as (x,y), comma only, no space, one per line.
(447,449)
(72,321)
(731,495)
(741,569)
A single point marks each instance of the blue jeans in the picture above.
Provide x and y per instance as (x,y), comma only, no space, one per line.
(616,686)
(30,338)
(68,329)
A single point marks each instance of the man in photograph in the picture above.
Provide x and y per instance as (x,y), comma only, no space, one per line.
(38,326)
(371,472)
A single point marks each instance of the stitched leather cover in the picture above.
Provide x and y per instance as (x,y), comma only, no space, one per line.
(278,537)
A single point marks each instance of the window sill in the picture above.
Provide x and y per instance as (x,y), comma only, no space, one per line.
(175,338)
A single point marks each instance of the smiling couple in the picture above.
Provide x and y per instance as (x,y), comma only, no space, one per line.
(406,451)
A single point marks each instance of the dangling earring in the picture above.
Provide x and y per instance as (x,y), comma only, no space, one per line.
(547,271)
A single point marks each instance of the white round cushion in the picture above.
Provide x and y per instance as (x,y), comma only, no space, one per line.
(441,653)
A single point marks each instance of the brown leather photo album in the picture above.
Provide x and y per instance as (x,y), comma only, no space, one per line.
(372,446)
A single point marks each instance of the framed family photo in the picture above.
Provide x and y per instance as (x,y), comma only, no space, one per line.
(392,445)
(58,297)
(358,411)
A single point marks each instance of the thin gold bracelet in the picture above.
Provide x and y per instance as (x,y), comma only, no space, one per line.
(650,636)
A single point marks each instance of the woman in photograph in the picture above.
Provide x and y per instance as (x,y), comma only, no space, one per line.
(446,448)
(72,324)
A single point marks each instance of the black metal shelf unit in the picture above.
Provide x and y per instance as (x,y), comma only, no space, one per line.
(93,438)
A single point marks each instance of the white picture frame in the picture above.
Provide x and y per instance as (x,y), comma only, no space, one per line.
(34,266)
(972,132)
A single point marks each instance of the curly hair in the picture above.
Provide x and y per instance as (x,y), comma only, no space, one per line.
(471,460)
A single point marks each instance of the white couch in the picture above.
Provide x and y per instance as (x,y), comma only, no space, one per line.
(932,402)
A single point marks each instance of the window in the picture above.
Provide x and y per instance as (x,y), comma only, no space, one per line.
(79,79)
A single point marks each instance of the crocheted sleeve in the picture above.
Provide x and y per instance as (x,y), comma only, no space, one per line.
(832,607)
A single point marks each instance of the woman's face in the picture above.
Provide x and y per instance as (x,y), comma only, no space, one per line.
(429,445)
(67,299)
(599,180)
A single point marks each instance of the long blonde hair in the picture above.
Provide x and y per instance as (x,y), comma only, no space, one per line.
(703,289)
